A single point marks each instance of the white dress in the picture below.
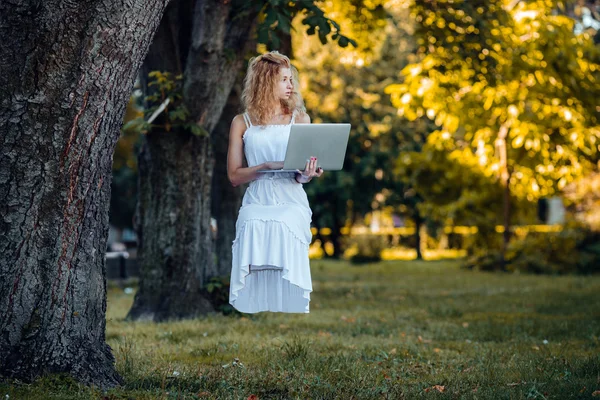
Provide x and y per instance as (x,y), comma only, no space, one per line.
(270,269)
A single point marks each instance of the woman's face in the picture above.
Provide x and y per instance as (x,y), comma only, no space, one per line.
(284,88)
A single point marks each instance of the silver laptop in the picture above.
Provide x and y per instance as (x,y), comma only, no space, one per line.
(327,142)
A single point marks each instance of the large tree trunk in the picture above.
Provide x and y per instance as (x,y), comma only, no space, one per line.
(226,199)
(202,40)
(66,73)
(170,222)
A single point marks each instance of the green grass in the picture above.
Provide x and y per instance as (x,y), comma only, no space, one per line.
(392,330)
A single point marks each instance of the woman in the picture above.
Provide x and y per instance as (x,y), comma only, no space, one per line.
(270,269)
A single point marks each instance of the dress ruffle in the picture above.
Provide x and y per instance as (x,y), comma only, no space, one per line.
(277,256)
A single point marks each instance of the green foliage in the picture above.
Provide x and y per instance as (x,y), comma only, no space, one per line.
(368,248)
(164,89)
(484,65)
(277,15)
(453,189)
(347,85)
(574,250)
(217,291)
(451,184)
(583,199)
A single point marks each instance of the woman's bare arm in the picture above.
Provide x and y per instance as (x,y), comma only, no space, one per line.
(236,172)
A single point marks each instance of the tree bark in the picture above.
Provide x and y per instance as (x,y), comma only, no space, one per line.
(66,74)
(173,227)
(226,199)
(204,41)
(336,238)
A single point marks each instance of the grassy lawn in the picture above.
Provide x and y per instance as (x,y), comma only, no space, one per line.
(395,330)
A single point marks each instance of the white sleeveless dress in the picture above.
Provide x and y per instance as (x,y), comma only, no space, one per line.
(270,269)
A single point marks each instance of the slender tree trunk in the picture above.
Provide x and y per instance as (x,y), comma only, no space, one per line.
(335,238)
(205,41)
(418,224)
(505,179)
(66,73)
(319,236)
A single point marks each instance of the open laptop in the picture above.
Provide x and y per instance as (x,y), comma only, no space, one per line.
(327,142)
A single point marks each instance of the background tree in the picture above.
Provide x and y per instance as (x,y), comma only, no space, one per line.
(512,82)
(348,85)
(65,77)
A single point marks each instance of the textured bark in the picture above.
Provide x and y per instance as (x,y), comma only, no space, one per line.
(173,227)
(226,199)
(66,73)
(173,217)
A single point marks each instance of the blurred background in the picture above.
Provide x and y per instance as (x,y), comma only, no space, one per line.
(475,135)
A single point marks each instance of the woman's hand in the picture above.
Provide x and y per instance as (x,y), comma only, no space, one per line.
(310,171)
(274,165)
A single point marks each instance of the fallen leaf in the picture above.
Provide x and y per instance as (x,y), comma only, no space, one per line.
(437,350)
(596,393)
(421,340)
(252,397)
(439,388)
(393,351)
(465,324)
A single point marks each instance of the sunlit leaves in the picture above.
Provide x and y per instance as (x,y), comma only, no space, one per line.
(165,106)
(483,64)
(276,17)
(347,85)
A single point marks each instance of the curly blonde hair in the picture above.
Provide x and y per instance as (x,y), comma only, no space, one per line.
(261,78)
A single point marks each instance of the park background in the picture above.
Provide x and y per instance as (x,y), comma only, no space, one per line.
(460,132)
(455,256)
